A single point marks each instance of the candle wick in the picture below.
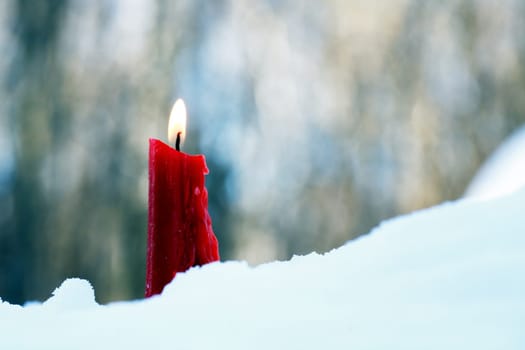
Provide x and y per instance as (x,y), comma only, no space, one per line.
(177,141)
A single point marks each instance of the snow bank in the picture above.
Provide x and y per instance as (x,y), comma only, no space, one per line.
(73,293)
(503,172)
(450,277)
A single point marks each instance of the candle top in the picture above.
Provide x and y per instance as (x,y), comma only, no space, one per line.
(177,122)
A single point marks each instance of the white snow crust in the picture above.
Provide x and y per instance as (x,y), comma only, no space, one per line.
(449,277)
(503,172)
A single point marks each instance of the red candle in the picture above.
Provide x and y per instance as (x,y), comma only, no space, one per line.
(180,233)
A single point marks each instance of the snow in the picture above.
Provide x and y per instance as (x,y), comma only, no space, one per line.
(449,277)
(74,293)
(503,172)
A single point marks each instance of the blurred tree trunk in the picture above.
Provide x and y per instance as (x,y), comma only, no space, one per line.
(37,117)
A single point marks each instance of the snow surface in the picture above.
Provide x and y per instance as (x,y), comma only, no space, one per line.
(503,172)
(450,277)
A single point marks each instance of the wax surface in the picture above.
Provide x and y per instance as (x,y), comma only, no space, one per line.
(180,233)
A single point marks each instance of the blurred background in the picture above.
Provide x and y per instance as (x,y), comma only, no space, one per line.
(318,120)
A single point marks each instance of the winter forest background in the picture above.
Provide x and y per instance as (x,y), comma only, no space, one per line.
(318,120)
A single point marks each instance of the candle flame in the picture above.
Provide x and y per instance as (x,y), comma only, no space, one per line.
(177,122)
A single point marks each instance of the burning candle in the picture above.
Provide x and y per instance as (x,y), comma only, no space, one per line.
(180,233)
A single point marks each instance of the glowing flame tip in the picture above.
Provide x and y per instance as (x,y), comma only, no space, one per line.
(177,122)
